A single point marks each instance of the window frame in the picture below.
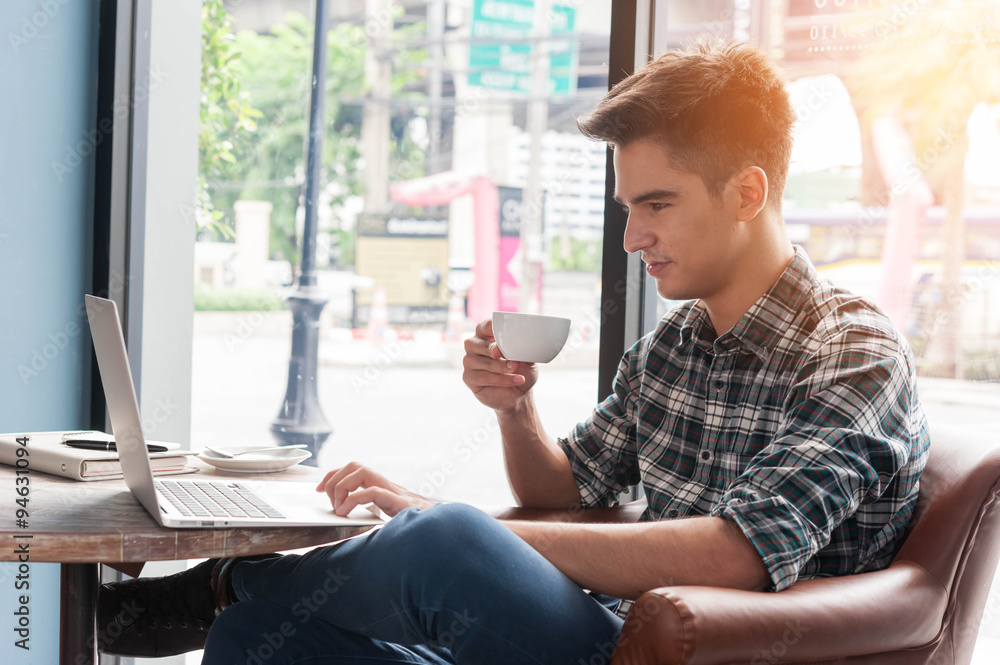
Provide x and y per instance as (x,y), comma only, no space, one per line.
(628,304)
(120,178)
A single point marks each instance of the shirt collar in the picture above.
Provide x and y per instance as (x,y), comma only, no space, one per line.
(763,325)
(697,327)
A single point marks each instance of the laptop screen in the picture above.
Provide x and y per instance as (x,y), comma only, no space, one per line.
(119,391)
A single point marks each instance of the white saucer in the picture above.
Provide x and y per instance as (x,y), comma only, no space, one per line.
(262,462)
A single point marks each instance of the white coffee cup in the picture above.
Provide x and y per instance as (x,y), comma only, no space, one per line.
(530,338)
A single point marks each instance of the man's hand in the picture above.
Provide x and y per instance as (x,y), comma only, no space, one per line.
(495,381)
(354,485)
(537,468)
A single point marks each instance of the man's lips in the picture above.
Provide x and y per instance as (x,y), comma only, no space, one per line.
(654,267)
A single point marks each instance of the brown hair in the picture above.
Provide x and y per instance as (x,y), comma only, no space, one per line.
(717,108)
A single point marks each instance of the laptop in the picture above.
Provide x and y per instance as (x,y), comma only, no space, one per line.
(194,502)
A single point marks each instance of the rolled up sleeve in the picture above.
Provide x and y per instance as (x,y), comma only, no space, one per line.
(601,450)
(843,438)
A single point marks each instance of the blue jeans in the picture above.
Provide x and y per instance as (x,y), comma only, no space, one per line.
(446,585)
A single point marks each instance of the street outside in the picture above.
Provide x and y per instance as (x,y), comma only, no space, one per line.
(400,407)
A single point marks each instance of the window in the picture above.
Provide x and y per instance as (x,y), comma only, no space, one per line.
(893,189)
(454,184)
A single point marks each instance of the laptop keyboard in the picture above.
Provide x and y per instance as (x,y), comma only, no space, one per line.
(207,498)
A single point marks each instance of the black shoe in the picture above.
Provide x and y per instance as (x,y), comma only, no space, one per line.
(157,616)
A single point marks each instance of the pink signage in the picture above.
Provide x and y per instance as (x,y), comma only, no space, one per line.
(499,264)
(511,260)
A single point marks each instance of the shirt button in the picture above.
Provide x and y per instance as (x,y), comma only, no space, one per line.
(705,454)
(718,384)
(672,512)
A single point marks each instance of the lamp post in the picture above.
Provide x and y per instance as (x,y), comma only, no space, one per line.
(301,419)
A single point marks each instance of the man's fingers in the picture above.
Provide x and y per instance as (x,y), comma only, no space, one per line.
(484,364)
(484,329)
(353,500)
(327,478)
(482,343)
(388,501)
(481,372)
(487,348)
(479,379)
(335,475)
(355,485)
(358,479)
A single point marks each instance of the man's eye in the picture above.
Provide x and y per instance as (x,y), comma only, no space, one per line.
(657,207)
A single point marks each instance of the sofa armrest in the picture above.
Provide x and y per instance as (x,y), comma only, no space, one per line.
(900,607)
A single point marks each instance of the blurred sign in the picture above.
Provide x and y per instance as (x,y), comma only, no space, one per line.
(512,250)
(845,30)
(500,54)
(407,257)
(402,227)
(511,261)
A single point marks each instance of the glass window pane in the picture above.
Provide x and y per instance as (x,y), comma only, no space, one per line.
(894,188)
(893,182)
(434,211)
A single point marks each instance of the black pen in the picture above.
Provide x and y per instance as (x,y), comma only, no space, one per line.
(109,446)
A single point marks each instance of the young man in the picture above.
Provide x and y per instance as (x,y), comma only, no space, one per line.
(776,414)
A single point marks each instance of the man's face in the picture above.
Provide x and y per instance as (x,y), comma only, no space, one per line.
(687,238)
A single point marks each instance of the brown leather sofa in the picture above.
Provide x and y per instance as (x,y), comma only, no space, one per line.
(925,608)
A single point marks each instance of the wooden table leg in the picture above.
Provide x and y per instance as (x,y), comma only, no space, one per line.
(78,614)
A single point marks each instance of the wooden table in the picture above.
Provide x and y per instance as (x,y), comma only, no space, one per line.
(82,524)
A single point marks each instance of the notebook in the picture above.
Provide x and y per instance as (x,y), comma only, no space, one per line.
(194,502)
(50,455)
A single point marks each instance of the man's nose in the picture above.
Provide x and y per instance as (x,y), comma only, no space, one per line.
(637,235)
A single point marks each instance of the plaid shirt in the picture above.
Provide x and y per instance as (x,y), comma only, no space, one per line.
(801,425)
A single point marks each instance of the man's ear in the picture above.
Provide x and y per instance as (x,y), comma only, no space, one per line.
(751,183)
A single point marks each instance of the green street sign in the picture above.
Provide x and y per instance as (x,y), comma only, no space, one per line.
(499,65)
